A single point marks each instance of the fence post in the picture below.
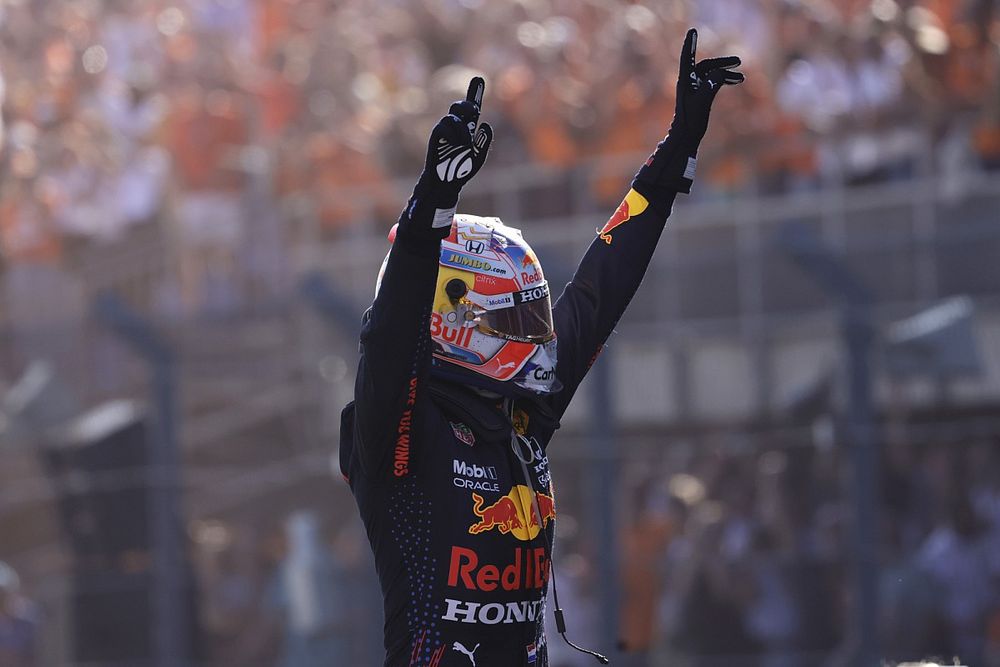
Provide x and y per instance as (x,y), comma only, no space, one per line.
(341,313)
(171,644)
(602,499)
(857,333)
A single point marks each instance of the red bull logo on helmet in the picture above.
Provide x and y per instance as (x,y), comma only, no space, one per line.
(513,514)
(633,204)
(449,333)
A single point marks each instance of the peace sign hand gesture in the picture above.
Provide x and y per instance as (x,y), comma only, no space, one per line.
(672,164)
(697,86)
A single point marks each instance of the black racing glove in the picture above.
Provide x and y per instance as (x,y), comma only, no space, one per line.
(672,164)
(455,153)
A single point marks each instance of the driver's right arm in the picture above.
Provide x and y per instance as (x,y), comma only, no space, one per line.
(395,338)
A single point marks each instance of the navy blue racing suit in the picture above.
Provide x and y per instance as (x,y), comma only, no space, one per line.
(463,569)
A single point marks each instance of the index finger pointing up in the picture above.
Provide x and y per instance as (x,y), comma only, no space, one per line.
(476,89)
(688,53)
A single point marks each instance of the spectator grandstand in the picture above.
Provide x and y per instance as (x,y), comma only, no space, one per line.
(200,158)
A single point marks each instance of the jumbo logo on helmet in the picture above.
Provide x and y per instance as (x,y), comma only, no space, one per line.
(477,264)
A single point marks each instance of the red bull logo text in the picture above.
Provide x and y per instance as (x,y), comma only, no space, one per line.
(529,570)
(633,204)
(513,514)
(460,336)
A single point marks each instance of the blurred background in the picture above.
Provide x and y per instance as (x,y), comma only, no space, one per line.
(789,455)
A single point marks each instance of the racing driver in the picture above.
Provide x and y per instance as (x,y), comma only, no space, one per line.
(465,371)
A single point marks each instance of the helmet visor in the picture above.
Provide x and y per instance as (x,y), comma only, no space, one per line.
(528,320)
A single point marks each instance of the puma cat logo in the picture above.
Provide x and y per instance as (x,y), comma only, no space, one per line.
(457,646)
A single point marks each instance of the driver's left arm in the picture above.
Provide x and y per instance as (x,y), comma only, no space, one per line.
(602,287)
(616,261)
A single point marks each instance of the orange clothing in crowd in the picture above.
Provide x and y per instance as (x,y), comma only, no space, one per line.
(274,23)
(541,122)
(638,124)
(550,143)
(25,235)
(993,630)
(729,172)
(279,105)
(335,169)
(986,140)
(205,146)
(790,149)
(642,583)
(969,69)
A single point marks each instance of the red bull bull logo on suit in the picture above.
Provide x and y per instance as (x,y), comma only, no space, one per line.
(513,514)
(633,204)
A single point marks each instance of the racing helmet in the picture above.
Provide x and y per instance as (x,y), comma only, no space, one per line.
(491,322)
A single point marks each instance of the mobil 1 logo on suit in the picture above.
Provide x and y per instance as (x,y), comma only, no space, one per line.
(474,477)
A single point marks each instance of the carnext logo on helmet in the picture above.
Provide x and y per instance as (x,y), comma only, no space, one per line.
(533,294)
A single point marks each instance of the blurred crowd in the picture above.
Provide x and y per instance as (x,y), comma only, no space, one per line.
(737,556)
(760,544)
(733,555)
(222,120)
(298,594)
(210,128)
(18,622)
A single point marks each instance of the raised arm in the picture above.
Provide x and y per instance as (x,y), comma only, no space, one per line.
(395,337)
(613,267)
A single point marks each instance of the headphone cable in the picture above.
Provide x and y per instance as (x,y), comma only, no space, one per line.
(557,612)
